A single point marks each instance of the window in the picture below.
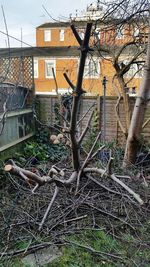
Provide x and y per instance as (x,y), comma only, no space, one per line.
(119,33)
(136,32)
(92,68)
(97,34)
(49,64)
(36,69)
(81,33)
(136,70)
(62,35)
(47,35)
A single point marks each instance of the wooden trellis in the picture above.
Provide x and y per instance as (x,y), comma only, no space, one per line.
(17,70)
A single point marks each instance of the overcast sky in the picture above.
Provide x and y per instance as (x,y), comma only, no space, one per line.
(28,14)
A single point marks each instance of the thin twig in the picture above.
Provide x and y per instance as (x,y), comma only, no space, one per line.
(86,128)
(86,161)
(109,214)
(92,250)
(49,207)
(86,113)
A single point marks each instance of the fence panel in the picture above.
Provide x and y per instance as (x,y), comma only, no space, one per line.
(16,100)
(112,128)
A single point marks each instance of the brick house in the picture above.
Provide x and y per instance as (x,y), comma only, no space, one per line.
(64,56)
(57,48)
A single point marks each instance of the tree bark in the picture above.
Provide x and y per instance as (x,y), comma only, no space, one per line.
(126,104)
(84,49)
(133,140)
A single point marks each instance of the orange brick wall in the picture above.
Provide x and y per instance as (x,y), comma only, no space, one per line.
(108,36)
(70,65)
(62,65)
(69,39)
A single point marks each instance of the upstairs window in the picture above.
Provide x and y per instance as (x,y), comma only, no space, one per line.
(62,35)
(49,64)
(36,69)
(92,68)
(97,34)
(119,33)
(47,35)
(136,32)
(135,70)
(81,33)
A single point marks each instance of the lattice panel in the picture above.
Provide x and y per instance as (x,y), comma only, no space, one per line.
(17,70)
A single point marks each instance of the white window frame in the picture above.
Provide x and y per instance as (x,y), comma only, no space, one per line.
(36,68)
(53,63)
(92,68)
(62,35)
(47,35)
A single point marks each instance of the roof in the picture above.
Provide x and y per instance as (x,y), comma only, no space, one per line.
(62,24)
(54,24)
(66,51)
(53,51)
(83,22)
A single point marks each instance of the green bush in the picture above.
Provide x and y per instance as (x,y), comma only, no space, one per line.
(43,152)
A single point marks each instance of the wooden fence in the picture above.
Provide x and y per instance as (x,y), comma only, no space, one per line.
(16,101)
(16,123)
(112,130)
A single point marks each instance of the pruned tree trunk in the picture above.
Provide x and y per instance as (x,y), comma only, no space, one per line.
(126,105)
(122,93)
(133,140)
(84,49)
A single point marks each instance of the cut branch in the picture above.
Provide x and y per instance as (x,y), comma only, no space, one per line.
(86,161)
(114,178)
(117,106)
(79,121)
(79,40)
(54,76)
(145,123)
(49,208)
(51,178)
(86,128)
(69,82)
(28,174)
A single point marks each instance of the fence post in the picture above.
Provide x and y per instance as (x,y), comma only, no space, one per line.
(104,81)
(99,112)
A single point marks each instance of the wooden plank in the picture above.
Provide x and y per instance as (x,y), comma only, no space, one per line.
(16,142)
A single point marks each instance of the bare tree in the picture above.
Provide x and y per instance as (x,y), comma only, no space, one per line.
(123,42)
(137,120)
(125,26)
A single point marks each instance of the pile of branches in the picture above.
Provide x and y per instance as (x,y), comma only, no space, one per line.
(54,209)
